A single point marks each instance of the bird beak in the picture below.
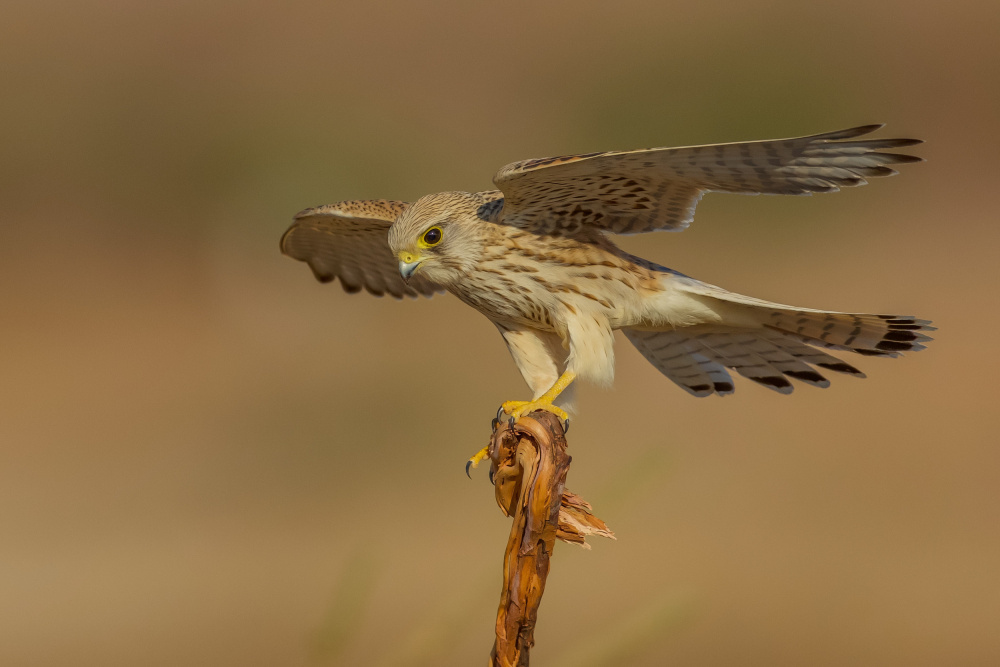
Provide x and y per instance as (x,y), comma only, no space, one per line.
(408,264)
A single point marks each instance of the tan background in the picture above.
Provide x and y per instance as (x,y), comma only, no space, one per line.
(206,458)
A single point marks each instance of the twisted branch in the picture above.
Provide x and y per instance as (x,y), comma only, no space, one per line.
(529,467)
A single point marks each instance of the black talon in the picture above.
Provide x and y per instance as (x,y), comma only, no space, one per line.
(566,427)
(499,412)
(511,421)
(491,476)
(496,422)
(468,464)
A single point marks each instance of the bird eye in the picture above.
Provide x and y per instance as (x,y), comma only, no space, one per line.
(432,236)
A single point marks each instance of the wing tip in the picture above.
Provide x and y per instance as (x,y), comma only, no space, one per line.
(861,130)
(841,367)
(809,377)
(715,387)
(777,383)
(322,276)
(866,129)
(849,133)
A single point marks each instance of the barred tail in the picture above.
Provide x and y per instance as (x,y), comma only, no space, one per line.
(871,335)
(769,343)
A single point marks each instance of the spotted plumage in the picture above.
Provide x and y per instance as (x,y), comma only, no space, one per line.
(537,259)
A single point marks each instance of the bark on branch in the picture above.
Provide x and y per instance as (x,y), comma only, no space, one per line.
(529,467)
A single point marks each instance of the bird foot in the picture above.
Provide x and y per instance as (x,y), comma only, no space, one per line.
(517,409)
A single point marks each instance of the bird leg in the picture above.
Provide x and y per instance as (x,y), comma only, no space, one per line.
(544,402)
(518,408)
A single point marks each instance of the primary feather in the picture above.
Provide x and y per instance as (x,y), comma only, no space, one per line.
(629,192)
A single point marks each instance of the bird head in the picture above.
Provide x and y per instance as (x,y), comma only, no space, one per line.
(439,235)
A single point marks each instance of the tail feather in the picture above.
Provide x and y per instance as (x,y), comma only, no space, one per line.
(769,342)
(810,355)
(867,334)
(678,357)
(697,357)
(737,351)
(773,351)
(873,335)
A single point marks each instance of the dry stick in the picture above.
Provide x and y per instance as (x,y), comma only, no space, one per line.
(529,467)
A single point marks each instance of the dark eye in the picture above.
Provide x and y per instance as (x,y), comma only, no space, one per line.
(432,236)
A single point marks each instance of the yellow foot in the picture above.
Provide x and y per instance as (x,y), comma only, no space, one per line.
(517,409)
(476,459)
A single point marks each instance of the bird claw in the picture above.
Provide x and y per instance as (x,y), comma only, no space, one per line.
(513,410)
(517,409)
(476,459)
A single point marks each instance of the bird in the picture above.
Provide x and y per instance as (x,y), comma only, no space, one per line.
(536,256)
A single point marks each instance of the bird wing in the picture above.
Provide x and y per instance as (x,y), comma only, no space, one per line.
(349,240)
(628,192)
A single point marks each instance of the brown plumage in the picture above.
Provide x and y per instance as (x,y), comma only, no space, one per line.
(535,258)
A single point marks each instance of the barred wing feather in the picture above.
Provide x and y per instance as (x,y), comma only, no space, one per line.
(629,192)
(349,240)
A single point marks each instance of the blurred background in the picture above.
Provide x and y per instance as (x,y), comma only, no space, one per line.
(208,458)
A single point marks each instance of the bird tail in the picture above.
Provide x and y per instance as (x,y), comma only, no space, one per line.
(769,343)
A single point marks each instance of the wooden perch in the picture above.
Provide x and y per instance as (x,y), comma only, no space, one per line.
(529,467)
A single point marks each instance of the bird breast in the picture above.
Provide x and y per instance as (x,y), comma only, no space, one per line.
(543,281)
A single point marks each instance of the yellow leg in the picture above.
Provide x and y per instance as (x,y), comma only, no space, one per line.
(544,402)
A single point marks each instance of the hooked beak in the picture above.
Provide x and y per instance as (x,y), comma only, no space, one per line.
(408,264)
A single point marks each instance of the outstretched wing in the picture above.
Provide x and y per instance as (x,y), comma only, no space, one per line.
(349,240)
(628,192)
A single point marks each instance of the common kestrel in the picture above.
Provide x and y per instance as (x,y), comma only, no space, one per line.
(536,257)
